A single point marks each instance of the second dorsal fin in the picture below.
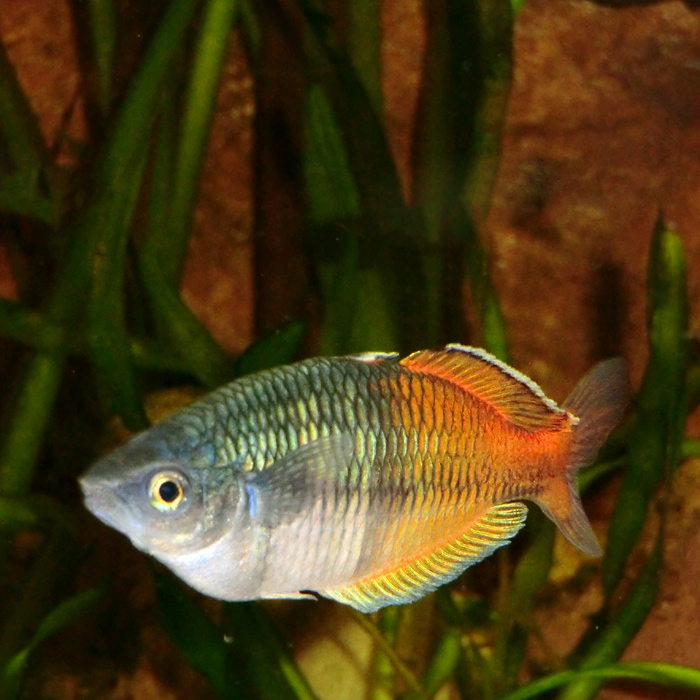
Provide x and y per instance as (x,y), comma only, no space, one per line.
(505,390)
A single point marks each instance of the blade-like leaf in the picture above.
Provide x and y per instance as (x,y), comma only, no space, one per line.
(174,320)
(278,348)
(666,675)
(383,671)
(64,614)
(197,638)
(364,46)
(265,655)
(34,512)
(207,361)
(128,141)
(103,23)
(364,136)
(611,642)
(661,405)
(106,324)
(118,180)
(358,305)
(331,192)
(528,579)
(131,131)
(442,665)
(200,102)
(19,127)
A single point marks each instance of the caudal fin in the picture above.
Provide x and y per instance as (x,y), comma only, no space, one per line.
(598,401)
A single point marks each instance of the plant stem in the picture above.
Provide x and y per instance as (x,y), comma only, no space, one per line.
(210,54)
(405,672)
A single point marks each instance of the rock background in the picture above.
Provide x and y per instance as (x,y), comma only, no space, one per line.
(602,130)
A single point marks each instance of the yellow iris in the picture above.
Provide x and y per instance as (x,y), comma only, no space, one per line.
(167,491)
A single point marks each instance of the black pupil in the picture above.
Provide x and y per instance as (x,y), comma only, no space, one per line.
(168,491)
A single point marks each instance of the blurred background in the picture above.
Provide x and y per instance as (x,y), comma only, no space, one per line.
(192,190)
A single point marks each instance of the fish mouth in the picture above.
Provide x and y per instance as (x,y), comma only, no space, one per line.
(104,501)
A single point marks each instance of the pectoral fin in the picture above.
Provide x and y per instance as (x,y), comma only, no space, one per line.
(291,485)
(422,575)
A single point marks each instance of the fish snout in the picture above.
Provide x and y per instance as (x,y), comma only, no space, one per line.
(102,500)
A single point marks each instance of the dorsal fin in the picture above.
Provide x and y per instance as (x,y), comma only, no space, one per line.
(508,392)
(424,574)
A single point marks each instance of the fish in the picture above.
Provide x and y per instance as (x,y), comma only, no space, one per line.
(368,479)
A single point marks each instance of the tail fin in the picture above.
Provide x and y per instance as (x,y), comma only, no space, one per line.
(598,401)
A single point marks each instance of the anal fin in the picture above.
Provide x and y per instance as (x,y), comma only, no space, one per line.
(424,574)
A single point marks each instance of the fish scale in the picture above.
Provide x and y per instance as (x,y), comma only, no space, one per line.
(369,479)
(406,419)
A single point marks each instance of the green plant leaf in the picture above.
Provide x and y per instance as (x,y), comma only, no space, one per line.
(30,327)
(495,65)
(517,5)
(131,130)
(207,361)
(331,192)
(442,665)
(364,46)
(278,348)
(197,638)
(618,632)
(19,194)
(245,654)
(118,179)
(64,614)
(528,579)
(654,451)
(106,325)
(491,63)
(661,404)
(385,645)
(200,101)
(19,127)
(30,417)
(176,324)
(264,654)
(252,31)
(364,137)
(383,670)
(590,475)
(451,100)
(358,306)
(358,301)
(103,24)
(33,329)
(128,140)
(34,512)
(666,675)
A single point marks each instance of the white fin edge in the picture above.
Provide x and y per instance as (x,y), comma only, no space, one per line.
(372,357)
(510,371)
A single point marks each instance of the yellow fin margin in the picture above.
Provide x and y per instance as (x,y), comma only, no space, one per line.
(413,581)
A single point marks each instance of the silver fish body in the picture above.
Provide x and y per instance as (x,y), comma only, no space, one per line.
(313,422)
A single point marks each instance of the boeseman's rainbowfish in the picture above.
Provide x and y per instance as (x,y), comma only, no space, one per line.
(368,479)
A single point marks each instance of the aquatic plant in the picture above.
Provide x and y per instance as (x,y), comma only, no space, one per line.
(99,323)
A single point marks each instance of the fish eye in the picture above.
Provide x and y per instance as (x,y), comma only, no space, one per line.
(167,491)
